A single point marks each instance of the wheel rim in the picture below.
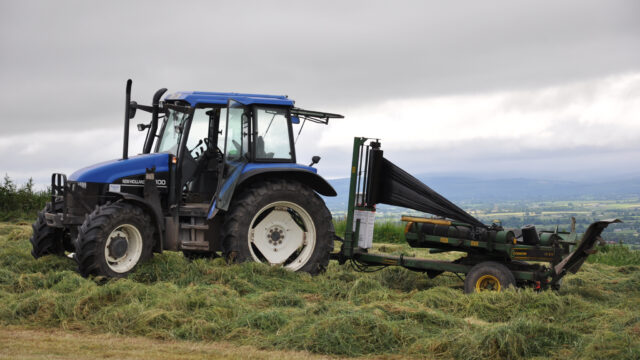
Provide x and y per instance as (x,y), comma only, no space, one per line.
(123,248)
(488,283)
(282,233)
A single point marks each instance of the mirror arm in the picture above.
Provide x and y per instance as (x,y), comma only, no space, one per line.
(315,160)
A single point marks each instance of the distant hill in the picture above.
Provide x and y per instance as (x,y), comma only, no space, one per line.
(473,190)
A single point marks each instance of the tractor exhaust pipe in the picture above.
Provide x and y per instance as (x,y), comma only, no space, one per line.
(129,112)
(127,116)
(154,120)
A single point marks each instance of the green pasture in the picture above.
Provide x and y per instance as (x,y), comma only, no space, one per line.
(394,312)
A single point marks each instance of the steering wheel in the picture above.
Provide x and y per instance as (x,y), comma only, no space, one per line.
(211,151)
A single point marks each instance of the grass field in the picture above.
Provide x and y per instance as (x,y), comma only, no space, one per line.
(208,307)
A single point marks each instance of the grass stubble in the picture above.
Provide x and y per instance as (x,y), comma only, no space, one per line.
(391,313)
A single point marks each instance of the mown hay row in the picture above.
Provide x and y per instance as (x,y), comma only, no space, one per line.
(596,314)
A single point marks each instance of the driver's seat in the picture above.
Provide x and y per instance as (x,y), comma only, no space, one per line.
(203,179)
(260,149)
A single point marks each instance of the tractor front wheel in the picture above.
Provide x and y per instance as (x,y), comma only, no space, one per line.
(48,240)
(281,223)
(488,276)
(113,239)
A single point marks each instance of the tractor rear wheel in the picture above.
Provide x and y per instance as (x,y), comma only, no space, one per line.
(48,240)
(282,223)
(488,276)
(113,239)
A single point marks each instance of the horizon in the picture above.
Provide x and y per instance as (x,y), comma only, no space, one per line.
(43,183)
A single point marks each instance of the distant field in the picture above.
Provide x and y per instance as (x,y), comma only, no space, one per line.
(547,215)
(522,213)
(207,306)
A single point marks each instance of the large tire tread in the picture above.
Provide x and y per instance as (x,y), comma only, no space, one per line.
(500,271)
(46,240)
(97,226)
(242,209)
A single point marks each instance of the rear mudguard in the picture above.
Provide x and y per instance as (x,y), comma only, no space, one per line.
(574,261)
(299,173)
(253,172)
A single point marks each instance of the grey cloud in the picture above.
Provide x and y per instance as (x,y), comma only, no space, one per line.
(64,62)
(63,65)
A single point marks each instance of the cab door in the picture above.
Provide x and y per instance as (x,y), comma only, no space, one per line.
(237,137)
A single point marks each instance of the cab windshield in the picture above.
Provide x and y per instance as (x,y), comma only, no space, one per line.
(172,131)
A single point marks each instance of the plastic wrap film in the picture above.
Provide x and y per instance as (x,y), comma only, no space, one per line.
(388,184)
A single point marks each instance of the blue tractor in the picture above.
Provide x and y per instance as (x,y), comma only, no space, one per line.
(217,176)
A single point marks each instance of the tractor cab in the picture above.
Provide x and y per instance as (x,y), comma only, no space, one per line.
(214,138)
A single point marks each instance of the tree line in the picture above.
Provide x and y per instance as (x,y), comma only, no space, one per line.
(20,202)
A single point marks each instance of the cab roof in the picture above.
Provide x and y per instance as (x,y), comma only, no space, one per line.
(202,97)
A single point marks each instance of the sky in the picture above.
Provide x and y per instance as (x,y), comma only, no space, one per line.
(502,89)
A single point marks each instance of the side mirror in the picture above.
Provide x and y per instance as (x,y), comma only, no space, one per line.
(314,160)
(133,106)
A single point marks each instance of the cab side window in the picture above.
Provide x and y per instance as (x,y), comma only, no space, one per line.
(199,130)
(272,139)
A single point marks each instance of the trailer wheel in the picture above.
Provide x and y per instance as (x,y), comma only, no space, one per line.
(48,240)
(281,223)
(488,276)
(113,239)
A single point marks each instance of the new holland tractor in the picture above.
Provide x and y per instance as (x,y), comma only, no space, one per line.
(217,175)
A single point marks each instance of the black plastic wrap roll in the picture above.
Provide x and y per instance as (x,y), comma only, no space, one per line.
(388,184)
(530,235)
